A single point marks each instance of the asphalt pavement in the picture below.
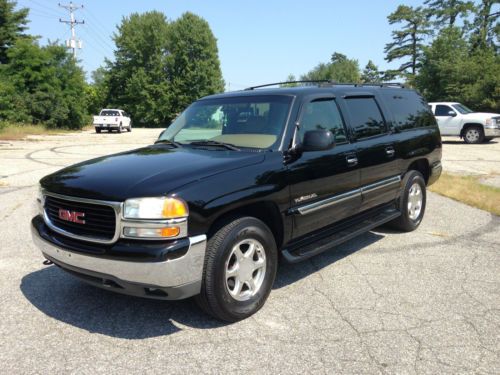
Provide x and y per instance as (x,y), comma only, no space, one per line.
(423,302)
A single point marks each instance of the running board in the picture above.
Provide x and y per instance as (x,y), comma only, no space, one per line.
(341,233)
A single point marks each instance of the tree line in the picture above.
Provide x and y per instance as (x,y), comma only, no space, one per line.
(447,49)
(160,66)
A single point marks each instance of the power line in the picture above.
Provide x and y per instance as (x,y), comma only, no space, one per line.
(41,8)
(72,43)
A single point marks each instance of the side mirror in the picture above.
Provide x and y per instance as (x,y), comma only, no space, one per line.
(452,113)
(318,140)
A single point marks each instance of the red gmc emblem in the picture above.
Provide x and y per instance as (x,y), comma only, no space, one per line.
(73,216)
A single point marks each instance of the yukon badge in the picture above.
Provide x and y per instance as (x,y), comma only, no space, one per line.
(73,216)
(305,197)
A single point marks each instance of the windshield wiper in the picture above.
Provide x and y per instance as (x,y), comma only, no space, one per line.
(208,142)
(169,142)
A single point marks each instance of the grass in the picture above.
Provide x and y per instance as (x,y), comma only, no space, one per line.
(12,132)
(469,190)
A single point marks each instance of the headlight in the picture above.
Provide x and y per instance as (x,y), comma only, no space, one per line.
(489,121)
(155,208)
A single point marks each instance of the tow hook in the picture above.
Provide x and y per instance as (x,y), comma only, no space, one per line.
(47,262)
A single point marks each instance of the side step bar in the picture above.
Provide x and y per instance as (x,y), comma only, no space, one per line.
(339,233)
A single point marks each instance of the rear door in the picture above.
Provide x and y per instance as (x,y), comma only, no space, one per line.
(378,155)
(324,185)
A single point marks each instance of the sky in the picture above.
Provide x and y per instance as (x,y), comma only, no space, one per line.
(259,41)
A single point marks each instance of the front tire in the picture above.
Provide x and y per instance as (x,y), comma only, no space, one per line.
(411,203)
(474,135)
(239,271)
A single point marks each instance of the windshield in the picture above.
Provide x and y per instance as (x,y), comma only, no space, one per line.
(110,113)
(246,121)
(462,109)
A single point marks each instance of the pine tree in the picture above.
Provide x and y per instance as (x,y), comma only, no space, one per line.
(408,42)
(12,26)
(486,28)
(371,74)
(449,11)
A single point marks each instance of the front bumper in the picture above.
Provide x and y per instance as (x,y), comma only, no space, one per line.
(169,279)
(492,131)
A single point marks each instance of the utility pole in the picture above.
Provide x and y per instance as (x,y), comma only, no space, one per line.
(72,43)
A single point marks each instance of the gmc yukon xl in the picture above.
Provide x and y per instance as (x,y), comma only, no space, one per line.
(236,182)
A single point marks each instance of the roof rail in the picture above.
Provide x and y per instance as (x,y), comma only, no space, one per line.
(288,82)
(325,82)
(376,84)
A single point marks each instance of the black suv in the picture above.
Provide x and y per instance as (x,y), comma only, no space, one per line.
(237,181)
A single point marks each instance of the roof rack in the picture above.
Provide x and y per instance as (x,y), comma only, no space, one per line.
(287,82)
(325,82)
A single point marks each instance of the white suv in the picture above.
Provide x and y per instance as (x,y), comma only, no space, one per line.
(473,127)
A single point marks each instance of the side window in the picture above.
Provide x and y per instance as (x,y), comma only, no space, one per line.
(442,110)
(322,114)
(408,109)
(366,118)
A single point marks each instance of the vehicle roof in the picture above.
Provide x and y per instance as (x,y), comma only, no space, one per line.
(336,89)
(111,109)
(446,103)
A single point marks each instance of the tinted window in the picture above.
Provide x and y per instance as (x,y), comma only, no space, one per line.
(322,114)
(110,113)
(366,119)
(442,110)
(408,109)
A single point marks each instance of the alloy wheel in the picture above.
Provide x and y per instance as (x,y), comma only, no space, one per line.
(245,269)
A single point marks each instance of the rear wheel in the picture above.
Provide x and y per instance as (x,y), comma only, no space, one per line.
(119,130)
(411,202)
(474,134)
(240,267)
(97,130)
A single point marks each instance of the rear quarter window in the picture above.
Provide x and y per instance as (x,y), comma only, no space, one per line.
(409,110)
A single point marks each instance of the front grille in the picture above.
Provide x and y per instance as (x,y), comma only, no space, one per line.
(100,220)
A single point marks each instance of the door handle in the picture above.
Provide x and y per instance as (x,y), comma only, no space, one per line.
(352,161)
(390,151)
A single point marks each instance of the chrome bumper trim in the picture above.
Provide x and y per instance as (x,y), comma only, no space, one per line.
(171,273)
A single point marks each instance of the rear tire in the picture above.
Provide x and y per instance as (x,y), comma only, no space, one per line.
(97,130)
(236,279)
(411,202)
(119,130)
(474,135)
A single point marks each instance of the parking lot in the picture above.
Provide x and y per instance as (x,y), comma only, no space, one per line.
(421,302)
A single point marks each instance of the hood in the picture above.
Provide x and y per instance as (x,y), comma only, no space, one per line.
(481,115)
(150,171)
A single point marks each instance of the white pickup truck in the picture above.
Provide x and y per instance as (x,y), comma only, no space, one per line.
(473,127)
(112,119)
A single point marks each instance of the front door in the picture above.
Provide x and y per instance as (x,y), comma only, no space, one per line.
(446,119)
(323,184)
